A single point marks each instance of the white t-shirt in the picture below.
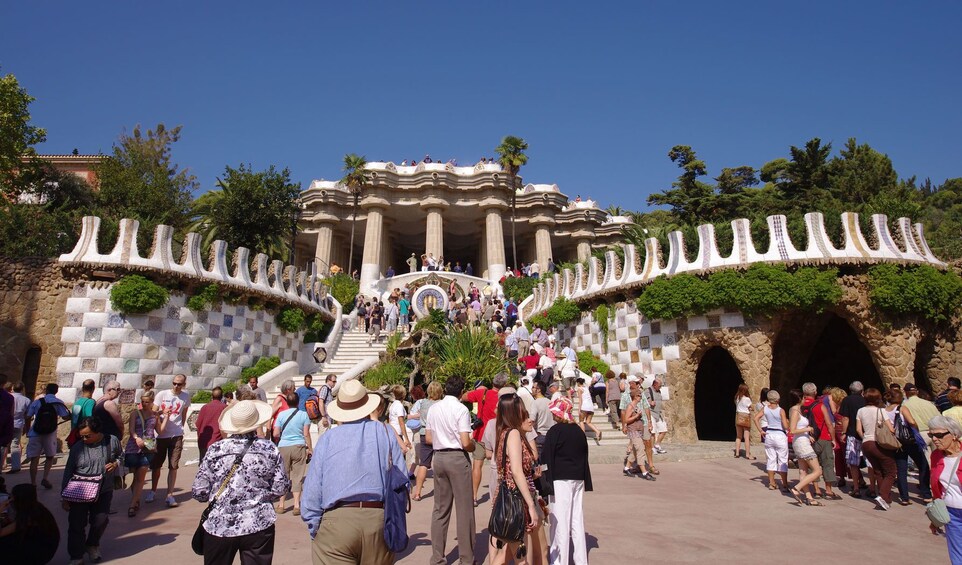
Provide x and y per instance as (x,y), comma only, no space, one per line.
(178,408)
(744,405)
(951,491)
(447,420)
(394,412)
(525,395)
(868,416)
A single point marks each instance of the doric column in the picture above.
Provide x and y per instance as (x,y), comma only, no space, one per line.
(481,267)
(584,249)
(542,243)
(373,242)
(494,243)
(322,250)
(434,227)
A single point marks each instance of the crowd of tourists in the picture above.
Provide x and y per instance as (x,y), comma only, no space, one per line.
(864,440)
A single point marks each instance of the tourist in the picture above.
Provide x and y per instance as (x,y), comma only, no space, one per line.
(335,269)
(260,393)
(613,389)
(412,262)
(396,419)
(523,337)
(568,476)
(208,421)
(546,365)
(425,452)
(390,271)
(457,267)
(7,404)
(376,320)
(515,458)
(469,270)
(743,422)
(638,426)
(955,412)
(633,382)
(868,419)
(656,401)
(42,422)
(30,535)
(775,437)
(567,368)
(911,449)
(511,343)
(942,400)
(598,389)
(96,455)
(145,425)
(107,410)
(587,410)
(281,400)
(292,433)
(819,412)
(326,395)
(83,407)
(848,411)
(19,410)
(170,443)
(801,428)
(524,392)
(432,262)
(241,502)
(833,401)
(541,414)
(922,411)
(305,392)
(404,312)
(449,433)
(343,499)
(530,363)
(511,312)
(486,402)
(393,313)
(945,434)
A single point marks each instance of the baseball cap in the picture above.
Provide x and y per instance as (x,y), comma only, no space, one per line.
(633,379)
(909,386)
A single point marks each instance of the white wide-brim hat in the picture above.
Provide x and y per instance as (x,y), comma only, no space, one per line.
(244,416)
(353,402)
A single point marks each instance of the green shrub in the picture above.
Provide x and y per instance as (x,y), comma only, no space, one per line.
(392,372)
(471,353)
(133,294)
(344,289)
(922,290)
(587,360)
(204,298)
(562,312)
(204,396)
(519,288)
(263,365)
(601,316)
(435,322)
(291,319)
(317,329)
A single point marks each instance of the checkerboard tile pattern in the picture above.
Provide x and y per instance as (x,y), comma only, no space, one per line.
(637,345)
(208,347)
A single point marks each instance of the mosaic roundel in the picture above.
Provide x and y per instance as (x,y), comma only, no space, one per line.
(429,297)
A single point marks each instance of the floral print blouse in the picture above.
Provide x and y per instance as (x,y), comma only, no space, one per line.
(246,505)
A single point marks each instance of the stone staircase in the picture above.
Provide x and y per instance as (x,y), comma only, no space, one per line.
(353,349)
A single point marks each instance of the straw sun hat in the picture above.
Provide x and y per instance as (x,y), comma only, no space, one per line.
(353,402)
(244,416)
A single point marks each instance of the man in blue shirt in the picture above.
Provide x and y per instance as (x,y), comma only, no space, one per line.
(41,441)
(343,498)
(305,392)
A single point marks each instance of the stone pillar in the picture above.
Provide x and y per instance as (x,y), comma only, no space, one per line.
(542,243)
(481,267)
(322,251)
(373,242)
(584,250)
(494,244)
(434,234)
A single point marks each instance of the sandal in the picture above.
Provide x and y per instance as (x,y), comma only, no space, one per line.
(132,511)
(772,487)
(833,496)
(796,495)
(654,471)
(813,502)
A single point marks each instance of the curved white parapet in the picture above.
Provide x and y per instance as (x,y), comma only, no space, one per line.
(284,283)
(907,245)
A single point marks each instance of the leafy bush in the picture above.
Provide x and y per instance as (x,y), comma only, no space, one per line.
(392,372)
(761,289)
(435,322)
(133,294)
(562,312)
(204,396)
(471,353)
(291,319)
(519,288)
(601,316)
(263,365)
(204,298)
(344,289)
(587,360)
(923,291)
(30,230)
(317,329)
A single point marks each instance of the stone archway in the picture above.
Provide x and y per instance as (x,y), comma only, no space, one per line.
(716,382)
(31,370)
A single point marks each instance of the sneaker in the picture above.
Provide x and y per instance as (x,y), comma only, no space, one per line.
(149,496)
(881,502)
(658,449)
(628,473)
(93,552)
(648,477)
(171,502)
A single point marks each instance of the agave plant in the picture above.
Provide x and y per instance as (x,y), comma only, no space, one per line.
(473,354)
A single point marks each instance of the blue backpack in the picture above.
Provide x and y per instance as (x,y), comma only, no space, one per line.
(397,502)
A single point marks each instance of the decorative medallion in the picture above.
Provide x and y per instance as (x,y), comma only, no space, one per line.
(429,297)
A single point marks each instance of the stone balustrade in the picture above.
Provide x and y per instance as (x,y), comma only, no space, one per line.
(908,246)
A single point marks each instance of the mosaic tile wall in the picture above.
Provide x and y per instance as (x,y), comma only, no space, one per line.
(637,345)
(209,347)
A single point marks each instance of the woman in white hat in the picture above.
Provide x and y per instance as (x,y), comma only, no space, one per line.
(242,476)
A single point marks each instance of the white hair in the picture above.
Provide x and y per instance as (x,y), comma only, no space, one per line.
(944,423)
(809,389)
(856,387)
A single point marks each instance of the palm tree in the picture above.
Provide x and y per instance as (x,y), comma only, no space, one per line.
(354,178)
(511,156)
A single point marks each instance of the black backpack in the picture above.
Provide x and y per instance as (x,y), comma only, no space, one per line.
(809,412)
(45,421)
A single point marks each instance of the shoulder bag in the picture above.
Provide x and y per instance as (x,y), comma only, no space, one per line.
(508,516)
(83,489)
(288,421)
(150,443)
(197,542)
(397,500)
(885,437)
(903,431)
(937,511)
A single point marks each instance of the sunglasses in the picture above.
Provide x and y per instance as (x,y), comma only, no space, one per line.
(179,384)
(938,435)
(86,436)
(113,388)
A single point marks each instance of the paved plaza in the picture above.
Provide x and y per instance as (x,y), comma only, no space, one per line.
(713,509)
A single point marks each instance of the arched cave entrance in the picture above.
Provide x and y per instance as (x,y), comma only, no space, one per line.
(31,369)
(823,349)
(923,356)
(716,383)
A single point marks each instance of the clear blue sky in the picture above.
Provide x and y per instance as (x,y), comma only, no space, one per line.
(600,90)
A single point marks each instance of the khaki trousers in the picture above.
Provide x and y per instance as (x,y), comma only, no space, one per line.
(351,536)
(452,488)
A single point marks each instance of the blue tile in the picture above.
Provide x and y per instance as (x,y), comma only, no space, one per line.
(228,321)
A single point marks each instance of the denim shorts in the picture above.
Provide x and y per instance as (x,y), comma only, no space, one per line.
(135,460)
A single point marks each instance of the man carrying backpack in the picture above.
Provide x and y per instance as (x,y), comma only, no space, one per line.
(325,395)
(43,417)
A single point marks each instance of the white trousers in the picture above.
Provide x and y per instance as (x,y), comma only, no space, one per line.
(568,524)
(776,452)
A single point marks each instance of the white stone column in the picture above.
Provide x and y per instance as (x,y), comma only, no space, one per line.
(494,244)
(542,242)
(481,267)
(373,242)
(434,233)
(322,250)
(584,250)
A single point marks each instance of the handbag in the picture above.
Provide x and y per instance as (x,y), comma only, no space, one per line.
(885,437)
(150,443)
(743,420)
(937,511)
(82,488)
(508,516)
(903,431)
(397,501)
(197,542)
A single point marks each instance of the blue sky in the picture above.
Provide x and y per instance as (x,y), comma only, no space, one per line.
(600,90)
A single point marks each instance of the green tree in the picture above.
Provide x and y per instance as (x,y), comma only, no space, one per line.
(17,138)
(691,200)
(731,185)
(140,180)
(859,173)
(512,157)
(807,174)
(252,209)
(354,179)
